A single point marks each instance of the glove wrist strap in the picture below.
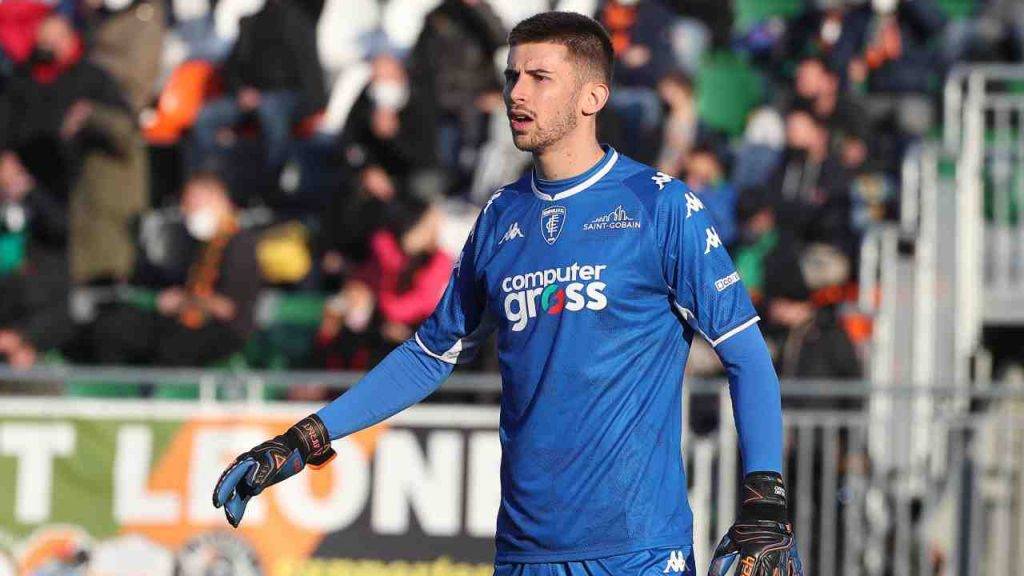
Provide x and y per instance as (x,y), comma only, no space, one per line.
(310,437)
(763,497)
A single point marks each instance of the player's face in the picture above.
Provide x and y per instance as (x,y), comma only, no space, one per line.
(542,89)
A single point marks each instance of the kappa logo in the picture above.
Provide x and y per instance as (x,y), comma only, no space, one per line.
(676,562)
(693,204)
(512,233)
(615,220)
(713,241)
(551,220)
(493,197)
(661,179)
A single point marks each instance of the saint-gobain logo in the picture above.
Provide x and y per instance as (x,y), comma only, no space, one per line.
(551,220)
(552,291)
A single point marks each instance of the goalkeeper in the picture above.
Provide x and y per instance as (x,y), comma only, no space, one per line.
(596,272)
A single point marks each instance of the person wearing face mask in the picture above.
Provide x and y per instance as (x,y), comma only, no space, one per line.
(382,145)
(209,316)
(73,130)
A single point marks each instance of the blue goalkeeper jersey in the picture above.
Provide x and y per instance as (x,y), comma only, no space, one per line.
(596,286)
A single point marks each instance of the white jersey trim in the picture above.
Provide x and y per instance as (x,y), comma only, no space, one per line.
(735,331)
(691,319)
(579,187)
(451,356)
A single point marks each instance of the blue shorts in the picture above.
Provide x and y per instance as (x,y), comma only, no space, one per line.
(652,562)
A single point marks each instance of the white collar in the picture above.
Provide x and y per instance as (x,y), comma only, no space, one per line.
(579,187)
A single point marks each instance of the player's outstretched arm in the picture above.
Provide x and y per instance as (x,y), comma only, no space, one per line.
(406,376)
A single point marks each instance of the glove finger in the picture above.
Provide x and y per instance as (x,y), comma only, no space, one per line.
(234,509)
(725,555)
(229,481)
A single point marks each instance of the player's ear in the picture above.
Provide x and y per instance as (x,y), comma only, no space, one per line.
(593,96)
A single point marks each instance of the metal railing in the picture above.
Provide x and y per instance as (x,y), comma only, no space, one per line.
(984,134)
(869,497)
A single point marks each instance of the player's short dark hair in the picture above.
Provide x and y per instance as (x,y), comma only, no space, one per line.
(587,41)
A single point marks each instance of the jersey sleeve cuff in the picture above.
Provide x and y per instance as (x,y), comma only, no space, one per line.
(734,331)
(451,356)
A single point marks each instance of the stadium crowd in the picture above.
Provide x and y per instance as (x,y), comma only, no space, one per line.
(284,183)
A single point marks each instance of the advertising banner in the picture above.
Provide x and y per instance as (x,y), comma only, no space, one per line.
(124,487)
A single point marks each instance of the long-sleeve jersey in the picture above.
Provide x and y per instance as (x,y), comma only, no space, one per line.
(596,286)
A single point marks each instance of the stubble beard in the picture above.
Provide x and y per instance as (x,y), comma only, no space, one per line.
(542,138)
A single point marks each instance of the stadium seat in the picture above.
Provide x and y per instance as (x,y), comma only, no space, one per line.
(958,9)
(750,12)
(180,102)
(727,89)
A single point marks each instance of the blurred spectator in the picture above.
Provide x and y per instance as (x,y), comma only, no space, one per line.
(76,135)
(886,45)
(996,34)
(640,33)
(382,303)
(19,20)
(811,187)
(817,89)
(274,73)
(706,176)
(759,235)
(681,124)
(33,267)
(127,39)
(208,318)
(761,150)
(809,338)
(453,61)
(388,127)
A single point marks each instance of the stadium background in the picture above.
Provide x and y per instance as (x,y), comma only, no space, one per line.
(863,161)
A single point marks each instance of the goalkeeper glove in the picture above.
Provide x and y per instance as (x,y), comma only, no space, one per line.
(280,457)
(762,537)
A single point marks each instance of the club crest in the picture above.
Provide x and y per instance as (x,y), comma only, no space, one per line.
(551,220)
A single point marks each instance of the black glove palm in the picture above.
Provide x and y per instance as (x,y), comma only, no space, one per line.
(762,538)
(267,464)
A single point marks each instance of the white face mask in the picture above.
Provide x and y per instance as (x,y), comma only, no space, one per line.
(202,224)
(391,95)
(884,6)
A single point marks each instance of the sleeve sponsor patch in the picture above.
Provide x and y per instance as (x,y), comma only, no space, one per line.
(723,283)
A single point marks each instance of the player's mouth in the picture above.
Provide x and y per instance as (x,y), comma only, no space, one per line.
(520,121)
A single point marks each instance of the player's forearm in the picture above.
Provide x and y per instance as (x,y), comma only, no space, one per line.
(756,403)
(405,376)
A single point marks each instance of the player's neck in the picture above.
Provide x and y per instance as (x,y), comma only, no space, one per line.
(567,158)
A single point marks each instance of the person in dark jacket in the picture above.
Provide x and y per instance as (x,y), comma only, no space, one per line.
(453,61)
(33,267)
(45,105)
(71,126)
(211,314)
(274,73)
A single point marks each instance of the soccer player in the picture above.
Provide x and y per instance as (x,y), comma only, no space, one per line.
(596,272)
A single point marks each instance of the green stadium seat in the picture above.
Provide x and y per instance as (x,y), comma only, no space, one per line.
(728,88)
(750,12)
(958,9)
